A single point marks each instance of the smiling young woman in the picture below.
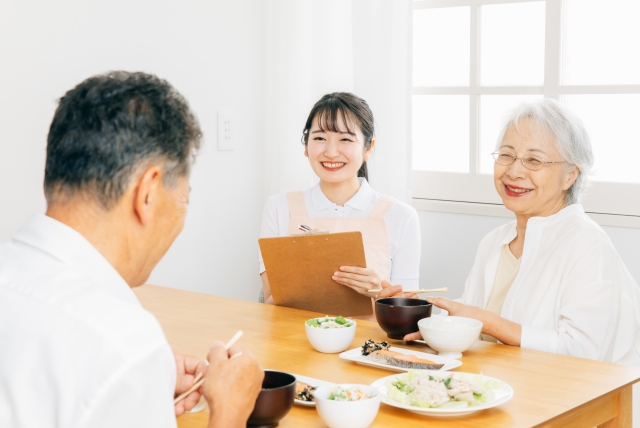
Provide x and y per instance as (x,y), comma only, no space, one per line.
(338,139)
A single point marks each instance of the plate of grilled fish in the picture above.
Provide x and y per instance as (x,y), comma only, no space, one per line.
(380,354)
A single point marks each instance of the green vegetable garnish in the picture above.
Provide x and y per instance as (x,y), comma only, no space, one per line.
(447,381)
(403,387)
(313,323)
(340,320)
(339,395)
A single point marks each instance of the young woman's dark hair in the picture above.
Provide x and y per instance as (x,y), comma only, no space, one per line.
(352,110)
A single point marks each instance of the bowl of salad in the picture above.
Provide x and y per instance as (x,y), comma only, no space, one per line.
(348,405)
(330,334)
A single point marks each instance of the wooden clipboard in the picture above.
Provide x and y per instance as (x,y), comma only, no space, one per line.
(300,268)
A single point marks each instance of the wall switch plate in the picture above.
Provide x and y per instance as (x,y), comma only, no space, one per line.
(225,131)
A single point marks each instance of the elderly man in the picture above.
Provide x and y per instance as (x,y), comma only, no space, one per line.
(76,347)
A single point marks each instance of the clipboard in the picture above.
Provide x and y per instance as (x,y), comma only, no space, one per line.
(300,268)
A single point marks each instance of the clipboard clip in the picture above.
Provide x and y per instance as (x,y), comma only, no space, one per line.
(311,233)
(306,230)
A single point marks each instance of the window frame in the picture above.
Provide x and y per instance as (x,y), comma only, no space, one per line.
(474,193)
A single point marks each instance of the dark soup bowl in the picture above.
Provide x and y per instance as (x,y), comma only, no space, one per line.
(400,316)
(274,401)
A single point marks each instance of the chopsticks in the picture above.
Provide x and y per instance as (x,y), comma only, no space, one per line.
(433,290)
(198,381)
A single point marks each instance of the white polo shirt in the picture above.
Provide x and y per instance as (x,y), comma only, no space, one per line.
(403,226)
(76,347)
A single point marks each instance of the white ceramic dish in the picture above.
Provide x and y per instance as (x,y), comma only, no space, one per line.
(500,396)
(348,414)
(313,382)
(356,355)
(330,340)
(450,335)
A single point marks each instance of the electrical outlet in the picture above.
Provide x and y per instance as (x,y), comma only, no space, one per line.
(225,133)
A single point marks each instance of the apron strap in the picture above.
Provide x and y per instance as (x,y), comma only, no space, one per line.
(297,207)
(381,208)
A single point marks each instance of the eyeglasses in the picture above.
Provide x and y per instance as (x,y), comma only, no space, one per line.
(530,162)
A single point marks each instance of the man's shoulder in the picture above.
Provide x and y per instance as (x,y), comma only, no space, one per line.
(51,294)
(69,338)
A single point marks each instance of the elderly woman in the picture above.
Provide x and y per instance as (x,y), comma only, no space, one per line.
(550,280)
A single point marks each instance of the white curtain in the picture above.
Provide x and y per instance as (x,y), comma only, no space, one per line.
(317,46)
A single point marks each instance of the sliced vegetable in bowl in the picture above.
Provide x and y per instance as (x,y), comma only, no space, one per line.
(353,393)
(329,322)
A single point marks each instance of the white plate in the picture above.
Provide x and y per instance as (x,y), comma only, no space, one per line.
(356,355)
(313,382)
(500,396)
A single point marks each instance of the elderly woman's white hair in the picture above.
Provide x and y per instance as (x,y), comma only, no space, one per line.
(571,136)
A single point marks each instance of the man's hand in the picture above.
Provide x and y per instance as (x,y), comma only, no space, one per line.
(504,330)
(187,368)
(231,386)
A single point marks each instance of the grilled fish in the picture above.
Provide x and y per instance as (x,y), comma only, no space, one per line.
(397,359)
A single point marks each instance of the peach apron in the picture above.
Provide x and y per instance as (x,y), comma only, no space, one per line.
(373,228)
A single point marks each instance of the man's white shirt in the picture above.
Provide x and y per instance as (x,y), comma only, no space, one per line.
(76,347)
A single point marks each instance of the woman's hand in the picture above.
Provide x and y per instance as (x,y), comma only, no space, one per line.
(390,290)
(360,279)
(507,332)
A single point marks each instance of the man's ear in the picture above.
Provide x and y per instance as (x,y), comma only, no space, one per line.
(570,178)
(145,192)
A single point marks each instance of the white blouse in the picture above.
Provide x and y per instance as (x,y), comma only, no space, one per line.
(403,226)
(76,347)
(573,295)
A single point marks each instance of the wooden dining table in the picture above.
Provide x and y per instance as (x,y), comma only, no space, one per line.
(551,390)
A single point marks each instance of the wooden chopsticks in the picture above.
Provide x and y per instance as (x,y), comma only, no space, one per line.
(377,291)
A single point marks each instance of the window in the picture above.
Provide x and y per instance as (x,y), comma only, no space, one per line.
(473,60)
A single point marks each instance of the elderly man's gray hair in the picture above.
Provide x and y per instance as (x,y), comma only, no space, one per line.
(109,126)
(572,138)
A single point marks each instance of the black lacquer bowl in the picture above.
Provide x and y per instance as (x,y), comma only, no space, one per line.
(400,316)
(274,401)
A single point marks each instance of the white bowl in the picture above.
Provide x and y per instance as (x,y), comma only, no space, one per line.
(347,414)
(449,335)
(331,340)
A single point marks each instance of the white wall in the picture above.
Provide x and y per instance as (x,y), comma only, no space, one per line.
(322,46)
(211,51)
(450,241)
(382,76)
(309,54)
(240,55)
